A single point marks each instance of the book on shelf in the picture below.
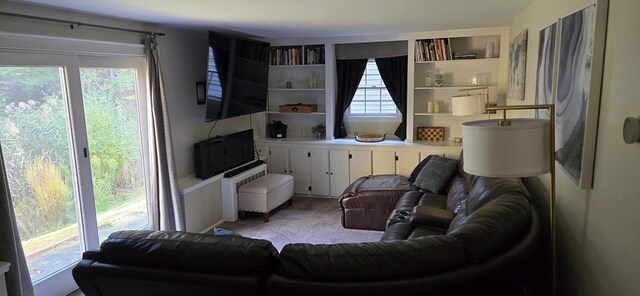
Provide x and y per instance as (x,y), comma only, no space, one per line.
(297,55)
(285,56)
(464,55)
(314,55)
(437,49)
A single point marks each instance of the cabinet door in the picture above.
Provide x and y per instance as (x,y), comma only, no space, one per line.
(359,164)
(263,152)
(299,169)
(384,162)
(279,160)
(320,184)
(338,171)
(407,161)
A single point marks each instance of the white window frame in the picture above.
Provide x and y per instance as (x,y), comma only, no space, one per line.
(63,52)
(375,117)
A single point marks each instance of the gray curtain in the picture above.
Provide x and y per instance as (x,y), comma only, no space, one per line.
(18,278)
(167,205)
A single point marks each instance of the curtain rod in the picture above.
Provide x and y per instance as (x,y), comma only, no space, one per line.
(79,23)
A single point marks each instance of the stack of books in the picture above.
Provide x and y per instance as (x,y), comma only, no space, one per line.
(437,49)
(464,55)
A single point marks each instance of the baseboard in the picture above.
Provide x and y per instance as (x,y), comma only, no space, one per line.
(210,228)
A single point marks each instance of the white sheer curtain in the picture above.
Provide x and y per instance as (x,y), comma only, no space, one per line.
(18,278)
(167,206)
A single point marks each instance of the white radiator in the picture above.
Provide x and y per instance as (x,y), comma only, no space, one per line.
(229,188)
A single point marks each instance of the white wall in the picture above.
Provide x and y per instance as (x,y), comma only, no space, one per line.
(598,229)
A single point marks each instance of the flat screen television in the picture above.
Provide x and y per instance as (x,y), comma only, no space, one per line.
(237,76)
(222,153)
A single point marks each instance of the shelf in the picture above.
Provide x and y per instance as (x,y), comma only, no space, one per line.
(432,114)
(458,61)
(296,66)
(296,113)
(451,87)
(296,89)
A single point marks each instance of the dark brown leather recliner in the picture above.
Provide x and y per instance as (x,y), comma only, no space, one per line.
(134,263)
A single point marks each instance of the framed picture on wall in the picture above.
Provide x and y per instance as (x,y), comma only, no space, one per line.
(545,87)
(580,63)
(517,63)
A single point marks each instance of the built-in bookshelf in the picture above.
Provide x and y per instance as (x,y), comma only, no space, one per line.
(297,76)
(462,61)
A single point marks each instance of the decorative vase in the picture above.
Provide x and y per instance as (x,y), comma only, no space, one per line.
(439,79)
(488,51)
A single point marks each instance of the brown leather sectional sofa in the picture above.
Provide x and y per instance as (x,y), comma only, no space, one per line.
(477,238)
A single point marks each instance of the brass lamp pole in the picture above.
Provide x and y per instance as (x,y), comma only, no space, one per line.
(552,170)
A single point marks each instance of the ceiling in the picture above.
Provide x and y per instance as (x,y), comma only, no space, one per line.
(307,18)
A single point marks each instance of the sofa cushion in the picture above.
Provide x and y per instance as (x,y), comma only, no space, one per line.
(494,227)
(436,174)
(484,189)
(418,168)
(195,252)
(433,200)
(398,259)
(431,217)
(457,193)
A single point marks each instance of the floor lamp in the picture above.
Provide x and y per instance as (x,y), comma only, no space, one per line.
(514,148)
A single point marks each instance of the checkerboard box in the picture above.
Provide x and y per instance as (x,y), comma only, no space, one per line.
(431,133)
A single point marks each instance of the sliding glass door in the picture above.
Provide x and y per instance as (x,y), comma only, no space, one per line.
(72,136)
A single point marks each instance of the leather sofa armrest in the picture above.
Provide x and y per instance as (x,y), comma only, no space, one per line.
(94,255)
(431,216)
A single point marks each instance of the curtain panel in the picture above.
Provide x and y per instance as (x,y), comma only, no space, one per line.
(349,73)
(394,75)
(168,212)
(17,278)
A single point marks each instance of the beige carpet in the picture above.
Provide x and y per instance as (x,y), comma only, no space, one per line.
(310,220)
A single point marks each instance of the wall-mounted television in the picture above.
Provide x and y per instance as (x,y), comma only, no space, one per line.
(237,76)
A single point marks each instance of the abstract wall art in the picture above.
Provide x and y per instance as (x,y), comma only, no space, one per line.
(546,66)
(517,63)
(580,61)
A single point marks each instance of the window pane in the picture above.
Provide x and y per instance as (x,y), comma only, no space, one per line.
(110,101)
(35,144)
(372,96)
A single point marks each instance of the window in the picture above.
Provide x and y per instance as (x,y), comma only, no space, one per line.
(372,98)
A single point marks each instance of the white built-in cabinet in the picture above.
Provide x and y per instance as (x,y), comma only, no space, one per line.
(320,172)
(325,168)
(278,162)
(300,169)
(338,171)
(394,162)
(359,164)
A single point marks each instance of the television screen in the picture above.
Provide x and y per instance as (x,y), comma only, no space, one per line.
(237,76)
(222,153)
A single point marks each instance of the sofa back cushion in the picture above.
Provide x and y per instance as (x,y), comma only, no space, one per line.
(457,193)
(193,252)
(492,228)
(484,189)
(400,259)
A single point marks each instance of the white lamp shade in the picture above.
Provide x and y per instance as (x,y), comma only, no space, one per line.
(519,150)
(466,105)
